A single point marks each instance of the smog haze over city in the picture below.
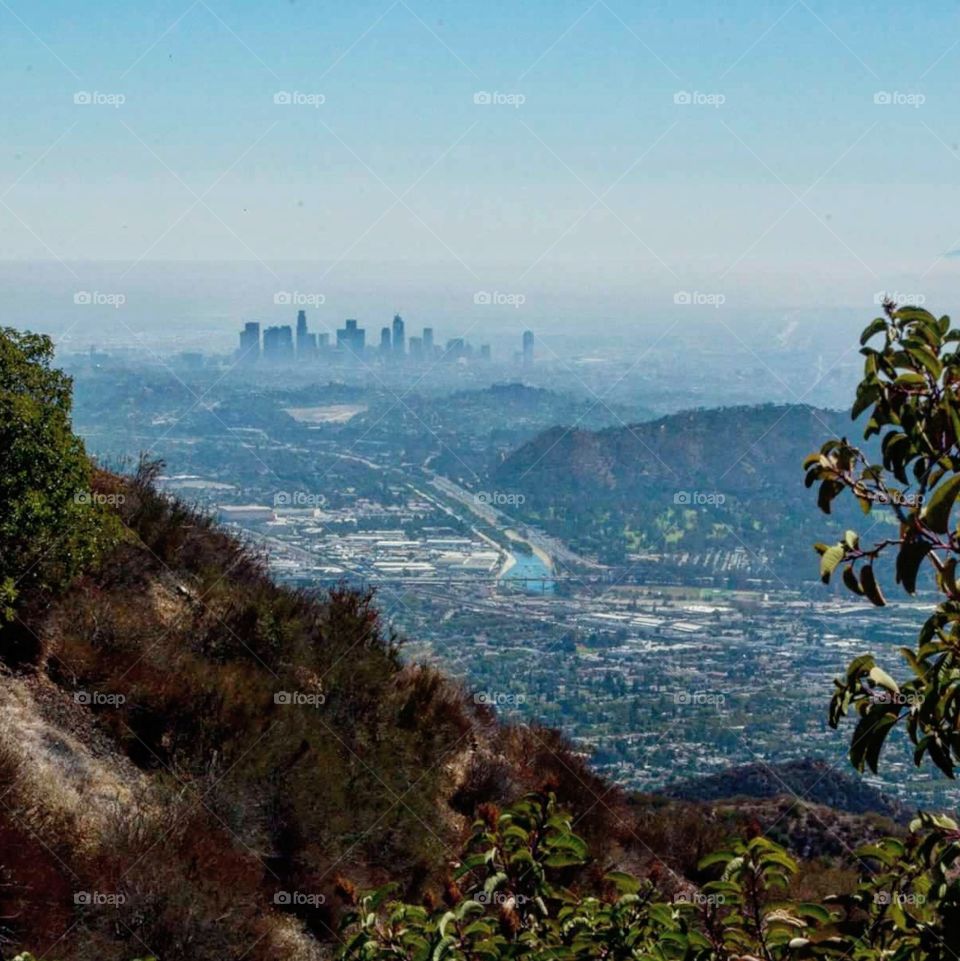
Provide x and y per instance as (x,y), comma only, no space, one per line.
(508,329)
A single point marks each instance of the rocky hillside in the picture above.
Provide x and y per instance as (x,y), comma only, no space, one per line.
(223,754)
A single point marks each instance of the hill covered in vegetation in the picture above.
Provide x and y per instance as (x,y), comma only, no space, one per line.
(809,780)
(702,480)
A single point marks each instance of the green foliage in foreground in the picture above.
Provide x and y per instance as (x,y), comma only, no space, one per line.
(910,388)
(50,524)
(510,901)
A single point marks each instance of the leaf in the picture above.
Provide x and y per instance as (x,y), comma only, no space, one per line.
(868,738)
(870,587)
(879,676)
(865,397)
(926,360)
(908,563)
(831,557)
(625,883)
(850,580)
(936,514)
(829,489)
(872,329)
(560,859)
(948,577)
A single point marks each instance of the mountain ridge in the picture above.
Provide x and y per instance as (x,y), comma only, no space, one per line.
(681,483)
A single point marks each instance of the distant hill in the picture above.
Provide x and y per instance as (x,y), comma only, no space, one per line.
(695,482)
(809,780)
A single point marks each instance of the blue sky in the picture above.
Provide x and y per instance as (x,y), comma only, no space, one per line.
(783,180)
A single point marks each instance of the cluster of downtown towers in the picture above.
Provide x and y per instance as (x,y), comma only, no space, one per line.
(279,345)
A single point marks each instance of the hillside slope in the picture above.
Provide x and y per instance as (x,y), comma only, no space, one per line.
(208,765)
(700,481)
(229,759)
(812,781)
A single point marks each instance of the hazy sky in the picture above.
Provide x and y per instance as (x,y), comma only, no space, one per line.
(625,151)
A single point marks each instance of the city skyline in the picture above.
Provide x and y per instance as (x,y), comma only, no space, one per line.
(281,343)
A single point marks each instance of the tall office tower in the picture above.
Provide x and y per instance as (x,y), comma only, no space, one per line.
(250,343)
(323,342)
(301,331)
(416,348)
(351,338)
(456,348)
(278,344)
(399,345)
(307,346)
(528,348)
(428,343)
(484,351)
(384,340)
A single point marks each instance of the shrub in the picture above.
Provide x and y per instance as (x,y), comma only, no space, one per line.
(51,526)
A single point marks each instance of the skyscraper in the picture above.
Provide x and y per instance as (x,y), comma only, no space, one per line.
(456,349)
(416,348)
(301,342)
(278,344)
(528,348)
(399,344)
(384,340)
(428,343)
(351,338)
(306,341)
(307,347)
(249,343)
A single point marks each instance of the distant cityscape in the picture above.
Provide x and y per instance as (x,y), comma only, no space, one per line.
(284,344)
